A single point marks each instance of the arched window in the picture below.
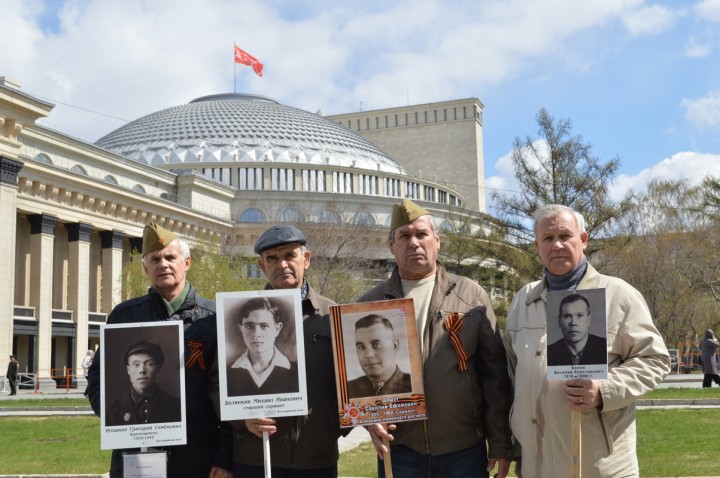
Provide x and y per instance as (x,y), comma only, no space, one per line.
(292,214)
(110,179)
(446,226)
(363,218)
(252,215)
(139,189)
(329,217)
(79,170)
(43,158)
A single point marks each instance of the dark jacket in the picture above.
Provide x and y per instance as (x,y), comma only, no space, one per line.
(305,442)
(209,442)
(463,407)
(364,387)
(595,352)
(12,371)
(161,407)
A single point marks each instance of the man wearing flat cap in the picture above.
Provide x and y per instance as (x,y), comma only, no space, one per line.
(144,401)
(300,447)
(166,261)
(467,387)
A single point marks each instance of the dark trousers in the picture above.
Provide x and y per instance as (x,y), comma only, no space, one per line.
(407,463)
(13,385)
(247,471)
(709,378)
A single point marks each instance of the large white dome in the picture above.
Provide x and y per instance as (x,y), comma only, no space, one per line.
(232,128)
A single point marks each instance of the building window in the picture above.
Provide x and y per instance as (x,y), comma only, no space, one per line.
(313,181)
(79,170)
(392,187)
(282,179)
(342,182)
(221,175)
(453,200)
(250,179)
(139,189)
(411,190)
(252,215)
(43,158)
(110,179)
(430,193)
(292,214)
(329,217)
(445,226)
(363,218)
(367,184)
(442,197)
(253,271)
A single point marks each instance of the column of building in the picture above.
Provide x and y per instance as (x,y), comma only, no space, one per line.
(78,292)
(9,170)
(112,254)
(42,238)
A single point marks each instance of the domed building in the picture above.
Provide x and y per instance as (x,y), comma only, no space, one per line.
(222,167)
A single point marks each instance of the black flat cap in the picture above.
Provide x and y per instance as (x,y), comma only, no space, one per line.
(279,236)
(149,348)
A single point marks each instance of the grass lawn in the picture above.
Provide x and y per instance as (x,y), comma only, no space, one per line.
(671,442)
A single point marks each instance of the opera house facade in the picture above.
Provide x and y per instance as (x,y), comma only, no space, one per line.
(222,166)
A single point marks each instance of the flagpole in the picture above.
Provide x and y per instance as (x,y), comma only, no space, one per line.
(234,71)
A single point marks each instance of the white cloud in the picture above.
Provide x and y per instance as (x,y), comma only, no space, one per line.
(695,49)
(686,165)
(703,113)
(709,10)
(651,20)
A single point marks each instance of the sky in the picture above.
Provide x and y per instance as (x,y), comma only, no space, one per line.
(639,80)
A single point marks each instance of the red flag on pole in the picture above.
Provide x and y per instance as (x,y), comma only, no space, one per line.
(246,58)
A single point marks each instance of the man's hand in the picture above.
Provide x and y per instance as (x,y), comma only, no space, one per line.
(257,426)
(583,394)
(379,434)
(217,472)
(502,464)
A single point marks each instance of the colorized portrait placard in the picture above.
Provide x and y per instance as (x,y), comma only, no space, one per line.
(261,354)
(378,365)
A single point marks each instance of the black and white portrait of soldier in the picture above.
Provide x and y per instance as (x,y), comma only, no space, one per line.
(143,399)
(578,346)
(378,349)
(262,367)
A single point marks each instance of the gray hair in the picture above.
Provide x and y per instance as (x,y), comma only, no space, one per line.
(551,211)
(184,249)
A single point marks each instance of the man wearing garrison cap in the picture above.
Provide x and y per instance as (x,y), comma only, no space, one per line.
(467,387)
(299,446)
(144,401)
(166,261)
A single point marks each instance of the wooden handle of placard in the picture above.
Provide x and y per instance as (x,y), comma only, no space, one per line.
(575,443)
(387,461)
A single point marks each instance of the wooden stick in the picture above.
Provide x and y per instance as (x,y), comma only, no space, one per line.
(575,443)
(387,461)
(266,453)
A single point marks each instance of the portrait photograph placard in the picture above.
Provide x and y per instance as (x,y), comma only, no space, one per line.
(261,353)
(378,365)
(577,335)
(142,385)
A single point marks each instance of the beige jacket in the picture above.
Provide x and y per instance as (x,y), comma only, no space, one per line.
(540,421)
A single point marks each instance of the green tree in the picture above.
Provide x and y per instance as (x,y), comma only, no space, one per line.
(557,168)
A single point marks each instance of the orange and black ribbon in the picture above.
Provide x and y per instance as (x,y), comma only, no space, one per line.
(454,324)
(196,354)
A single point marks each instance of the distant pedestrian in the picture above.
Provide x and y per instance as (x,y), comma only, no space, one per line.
(87,361)
(12,375)
(708,346)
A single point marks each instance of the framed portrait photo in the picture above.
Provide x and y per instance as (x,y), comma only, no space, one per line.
(577,335)
(261,354)
(378,366)
(142,385)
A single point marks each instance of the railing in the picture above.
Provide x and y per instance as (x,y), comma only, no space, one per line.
(63,378)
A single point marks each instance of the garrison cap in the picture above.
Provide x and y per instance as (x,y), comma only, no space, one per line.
(405,213)
(149,348)
(156,238)
(279,236)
